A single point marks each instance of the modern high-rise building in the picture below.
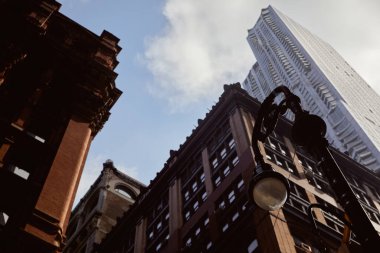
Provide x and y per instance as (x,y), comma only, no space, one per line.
(288,54)
(198,202)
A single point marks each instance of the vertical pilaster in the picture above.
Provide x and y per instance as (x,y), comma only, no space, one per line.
(272,232)
(241,128)
(140,237)
(66,223)
(242,124)
(207,171)
(317,211)
(175,207)
(58,192)
(175,212)
(293,154)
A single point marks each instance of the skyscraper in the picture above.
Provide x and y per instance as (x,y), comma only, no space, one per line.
(288,54)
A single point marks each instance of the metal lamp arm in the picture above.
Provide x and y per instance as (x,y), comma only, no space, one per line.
(268,115)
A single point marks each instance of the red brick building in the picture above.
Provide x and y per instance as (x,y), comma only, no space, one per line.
(198,202)
(56,89)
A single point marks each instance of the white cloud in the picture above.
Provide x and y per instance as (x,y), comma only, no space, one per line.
(202,48)
(203,45)
(92,170)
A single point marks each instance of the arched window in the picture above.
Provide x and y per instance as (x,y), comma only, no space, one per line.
(125,191)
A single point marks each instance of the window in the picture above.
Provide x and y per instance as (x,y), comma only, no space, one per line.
(235,216)
(282,161)
(298,199)
(231,143)
(215,162)
(197,233)
(187,215)
(231,205)
(331,220)
(195,186)
(158,224)
(202,177)
(19,172)
(206,221)
(219,137)
(252,246)
(187,195)
(123,190)
(204,196)
(363,197)
(195,206)
(375,193)
(209,245)
(309,165)
(3,219)
(223,153)
(226,171)
(194,189)
(188,242)
(320,184)
(373,214)
(240,184)
(231,196)
(217,181)
(235,161)
(222,205)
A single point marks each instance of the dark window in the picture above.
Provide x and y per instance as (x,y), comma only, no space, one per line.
(282,161)
(194,194)
(223,151)
(219,137)
(231,205)
(125,191)
(158,225)
(3,219)
(224,169)
(197,239)
(298,199)
(331,220)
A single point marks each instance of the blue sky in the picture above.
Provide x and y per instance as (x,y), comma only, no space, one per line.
(177,54)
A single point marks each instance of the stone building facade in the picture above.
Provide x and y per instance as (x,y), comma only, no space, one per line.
(94,216)
(56,89)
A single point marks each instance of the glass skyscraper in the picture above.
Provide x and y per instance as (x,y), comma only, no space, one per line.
(288,54)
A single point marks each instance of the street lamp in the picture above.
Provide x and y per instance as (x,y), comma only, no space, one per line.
(269,189)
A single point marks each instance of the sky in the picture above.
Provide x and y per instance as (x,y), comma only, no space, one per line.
(178,54)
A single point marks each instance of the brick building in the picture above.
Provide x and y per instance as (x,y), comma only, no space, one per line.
(56,89)
(198,202)
(109,197)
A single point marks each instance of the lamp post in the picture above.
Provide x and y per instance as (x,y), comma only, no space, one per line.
(308,131)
